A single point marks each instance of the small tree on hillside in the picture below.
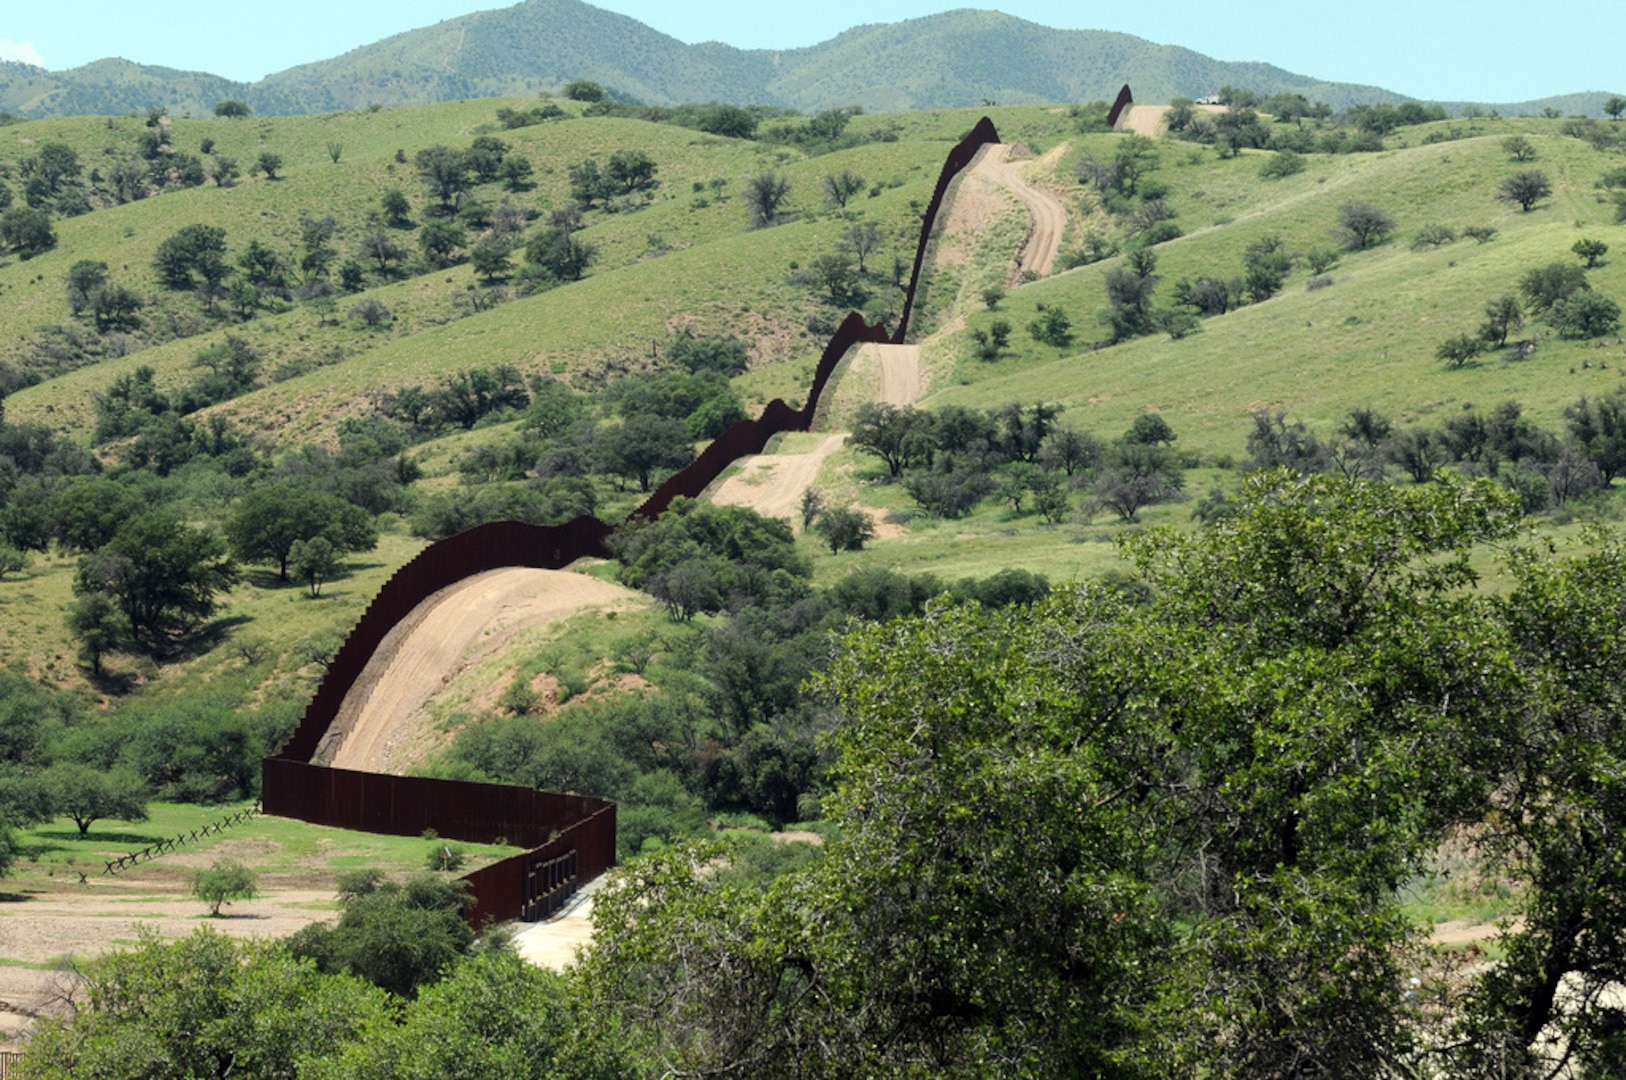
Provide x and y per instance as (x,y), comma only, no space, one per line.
(845,529)
(1526,188)
(232,109)
(765,195)
(269,163)
(1519,148)
(841,186)
(1362,225)
(1591,251)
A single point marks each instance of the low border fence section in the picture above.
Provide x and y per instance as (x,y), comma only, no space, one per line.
(152,851)
(560,830)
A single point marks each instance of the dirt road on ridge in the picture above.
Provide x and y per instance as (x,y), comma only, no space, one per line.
(772,484)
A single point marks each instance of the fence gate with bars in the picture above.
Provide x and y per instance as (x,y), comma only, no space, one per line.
(549,884)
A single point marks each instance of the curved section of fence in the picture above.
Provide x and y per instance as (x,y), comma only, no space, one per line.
(562,831)
(1125,99)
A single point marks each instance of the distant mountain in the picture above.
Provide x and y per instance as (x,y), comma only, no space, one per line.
(957,58)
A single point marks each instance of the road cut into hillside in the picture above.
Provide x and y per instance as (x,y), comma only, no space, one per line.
(1047,217)
(772,484)
(384,724)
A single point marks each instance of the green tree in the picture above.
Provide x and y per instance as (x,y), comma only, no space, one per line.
(87,794)
(632,170)
(195,253)
(1053,327)
(26,231)
(1519,148)
(559,255)
(1586,314)
(1458,350)
(1266,265)
(584,90)
(901,438)
(398,936)
(225,880)
(445,172)
(397,209)
(840,187)
(232,109)
(490,258)
(1614,107)
(440,239)
(84,278)
(313,562)
(268,162)
(162,574)
(382,249)
(1545,287)
(267,522)
(1362,225)
(1525,188)
(643,446)
(1591,252)
(844,528)
(1502,316)
(225,170)
(765,195)
(515,173)
(99,625)
(203,1006)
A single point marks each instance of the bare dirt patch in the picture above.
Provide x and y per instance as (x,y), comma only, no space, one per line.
(772,484)
(383,725)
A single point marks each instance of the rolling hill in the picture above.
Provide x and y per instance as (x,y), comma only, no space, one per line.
(951,60)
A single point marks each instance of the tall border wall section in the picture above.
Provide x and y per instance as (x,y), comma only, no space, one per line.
(570,838)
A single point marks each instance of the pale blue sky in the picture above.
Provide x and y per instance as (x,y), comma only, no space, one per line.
(1489,50)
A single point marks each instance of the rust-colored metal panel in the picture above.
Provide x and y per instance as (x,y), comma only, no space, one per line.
(1125,99)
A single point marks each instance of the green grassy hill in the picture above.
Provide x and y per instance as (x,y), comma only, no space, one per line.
(687,259)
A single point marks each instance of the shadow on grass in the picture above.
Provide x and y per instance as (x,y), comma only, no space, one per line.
(94,836)
(215,634)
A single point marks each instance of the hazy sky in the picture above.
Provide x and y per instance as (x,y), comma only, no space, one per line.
(1480,50)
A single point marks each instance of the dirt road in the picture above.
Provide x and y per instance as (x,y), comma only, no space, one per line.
(381,727)
(1047,216)
(772,484)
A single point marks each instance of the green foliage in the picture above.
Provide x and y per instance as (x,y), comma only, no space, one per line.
(1585,314)
(493,1015)
(86,794)
(1458,350)
(268,521)
(702,557)
(765,195)
(26,231)
(202,1006)
(845,529)
(1525,188)
(1591,251)
(232,109)
(224,881)
(162,574)
(1053,327)
(1281,164)
(399,937)
(1361,225)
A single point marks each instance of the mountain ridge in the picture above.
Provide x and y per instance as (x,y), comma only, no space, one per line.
(963,57)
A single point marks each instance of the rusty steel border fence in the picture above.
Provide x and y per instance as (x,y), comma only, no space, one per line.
(559,831)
